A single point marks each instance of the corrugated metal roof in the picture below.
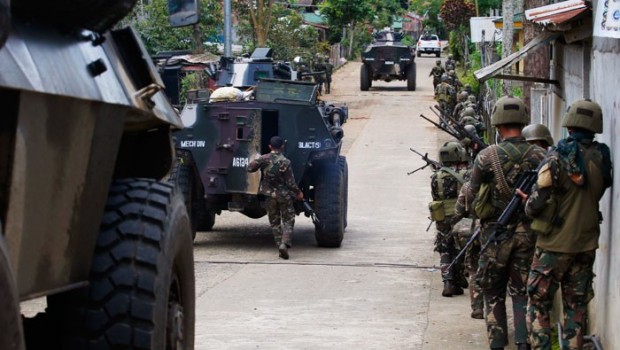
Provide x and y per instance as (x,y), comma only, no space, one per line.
(304,2)
(557,13)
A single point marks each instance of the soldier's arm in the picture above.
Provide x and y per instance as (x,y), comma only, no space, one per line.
(543,188)
(289,179)
(255,164)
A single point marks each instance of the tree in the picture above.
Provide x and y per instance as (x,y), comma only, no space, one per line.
(343,13)
(260,17)
(289,37)
(455,15)
(151,21)
(430,10)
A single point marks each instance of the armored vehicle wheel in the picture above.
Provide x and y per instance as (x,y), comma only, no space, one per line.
(329,205)
(11,336)
(342,162)
(364,78)
(206,219)
(411,77)
(141,293)
(182,177)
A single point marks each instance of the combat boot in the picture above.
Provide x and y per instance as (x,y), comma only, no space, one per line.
(448,289)
(477,314)
(283,249)
(457,290)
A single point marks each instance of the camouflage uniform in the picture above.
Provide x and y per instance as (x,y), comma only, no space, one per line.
(436,72)
(506,263)
(462,209)
(329,68)
(278,186)
(319,79)
(444,94)
(445,189)
(450,64)
(566,218)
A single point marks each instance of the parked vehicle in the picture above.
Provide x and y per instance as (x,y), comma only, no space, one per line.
(387,59)
(85,217)
(429,44)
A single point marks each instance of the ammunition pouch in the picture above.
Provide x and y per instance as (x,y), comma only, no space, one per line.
(440,210)
(483,204)
(544,223)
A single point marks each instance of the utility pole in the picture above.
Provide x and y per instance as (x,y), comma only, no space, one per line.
(227,28)
(507,37)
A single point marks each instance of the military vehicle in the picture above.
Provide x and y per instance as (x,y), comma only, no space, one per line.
(387,59)
(86,219)
(221,138)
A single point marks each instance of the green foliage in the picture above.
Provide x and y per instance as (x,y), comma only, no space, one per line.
(407,40)
(151,21)
(431,9)
(190,81)
(341,13)
(455,45)
(467,77)
(289,38)
(485,5)
(384,12)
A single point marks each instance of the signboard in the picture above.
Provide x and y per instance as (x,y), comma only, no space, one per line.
(478,24)
(607,19)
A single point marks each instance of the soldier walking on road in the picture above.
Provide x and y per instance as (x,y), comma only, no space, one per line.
(436,72)
(444,94)
(506,263)
(565,207)
(278,186)
(329,69)
(445,185)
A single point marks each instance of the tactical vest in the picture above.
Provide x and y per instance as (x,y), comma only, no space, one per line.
(443,207)
(444,93)
(493,197)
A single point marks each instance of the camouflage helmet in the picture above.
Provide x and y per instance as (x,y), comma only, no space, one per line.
(468,112)
(444,77)
(584,114)
(509,110)
(438,62)
(450,56)
(537,132)
(463,96)
(452,152)
(451,73)
(469,120)
(472,98)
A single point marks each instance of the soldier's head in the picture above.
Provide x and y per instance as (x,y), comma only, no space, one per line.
(509,115)
(538,134)
(276,143)
(467,88)
(444,78)
(450,56)
(472,98)
(463,96)
(453,153)
(438,62)
(584,115)
(452,73)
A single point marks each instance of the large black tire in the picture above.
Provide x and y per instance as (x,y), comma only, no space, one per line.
(182,176)
(329,205)
(11,332)
(141,293)
(364,78)
(342,162)
(206,219)
(419,54)
(411,77)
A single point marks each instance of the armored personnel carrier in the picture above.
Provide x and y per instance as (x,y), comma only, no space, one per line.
(85,218)
(221,138)
(388,59)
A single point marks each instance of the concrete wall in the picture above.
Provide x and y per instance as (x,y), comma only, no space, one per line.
(591,69)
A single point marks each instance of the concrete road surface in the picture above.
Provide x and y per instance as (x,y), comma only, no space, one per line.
(381,289)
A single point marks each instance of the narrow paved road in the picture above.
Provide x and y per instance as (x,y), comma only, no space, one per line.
(381,289)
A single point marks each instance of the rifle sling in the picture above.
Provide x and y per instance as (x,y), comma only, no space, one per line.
(452,172)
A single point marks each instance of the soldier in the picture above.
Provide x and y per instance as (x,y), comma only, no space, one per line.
(450,63)
(278,186)
(467,88)
(319,76)
(444,93)
(329,69)
(505,264)
(463,209)
(445,185)
(565,207)
(436,72)
(471,102)
(538,135)
(462,99)
(454,80)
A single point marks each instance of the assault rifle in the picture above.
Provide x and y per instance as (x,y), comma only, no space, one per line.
(525,182)
(309,212)
(436,165)
(458,130)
